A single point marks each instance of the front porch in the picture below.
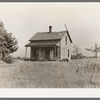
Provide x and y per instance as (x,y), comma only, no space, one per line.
(44,53)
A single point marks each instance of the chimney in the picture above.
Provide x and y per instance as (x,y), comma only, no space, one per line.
(50,29)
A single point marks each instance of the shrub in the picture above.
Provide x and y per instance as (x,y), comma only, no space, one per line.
(78,56)
(20,58)
(9,59)
(65,59)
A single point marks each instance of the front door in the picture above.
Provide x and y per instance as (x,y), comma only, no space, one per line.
(47,53)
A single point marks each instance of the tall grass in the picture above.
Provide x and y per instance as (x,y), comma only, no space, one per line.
(26,74)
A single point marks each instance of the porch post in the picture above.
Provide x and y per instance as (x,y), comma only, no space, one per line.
(26,53)
(58,52)
(39,53)
(55,51)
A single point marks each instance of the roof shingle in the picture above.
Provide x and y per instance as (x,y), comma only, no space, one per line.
(47,36)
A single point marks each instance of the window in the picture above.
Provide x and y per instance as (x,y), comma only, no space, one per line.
(56,52)
(68,52)
(65,39)
(34,52)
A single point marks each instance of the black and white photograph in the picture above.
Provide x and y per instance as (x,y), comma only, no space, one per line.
(49,45)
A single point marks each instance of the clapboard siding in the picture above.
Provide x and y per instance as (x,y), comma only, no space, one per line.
(65,47)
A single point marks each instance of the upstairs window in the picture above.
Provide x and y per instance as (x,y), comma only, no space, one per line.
(65,39)
(68,52)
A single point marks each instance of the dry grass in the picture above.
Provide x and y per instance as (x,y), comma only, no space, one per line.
(76,74)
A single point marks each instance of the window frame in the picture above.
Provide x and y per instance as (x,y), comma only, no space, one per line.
(66,40)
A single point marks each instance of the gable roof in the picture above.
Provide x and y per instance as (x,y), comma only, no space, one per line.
(49,36)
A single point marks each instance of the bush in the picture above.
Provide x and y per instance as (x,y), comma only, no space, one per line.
(9,59)
(65,59)
(78,56)
(20,58)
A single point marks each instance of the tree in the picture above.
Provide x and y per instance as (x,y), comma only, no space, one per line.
(94,50)
(76,51)
(8,43)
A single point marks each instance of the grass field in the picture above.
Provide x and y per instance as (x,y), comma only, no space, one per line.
(83,73)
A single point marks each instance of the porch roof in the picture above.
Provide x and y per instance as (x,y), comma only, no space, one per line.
(42,43)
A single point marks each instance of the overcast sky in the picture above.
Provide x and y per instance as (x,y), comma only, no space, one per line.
(25,19)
